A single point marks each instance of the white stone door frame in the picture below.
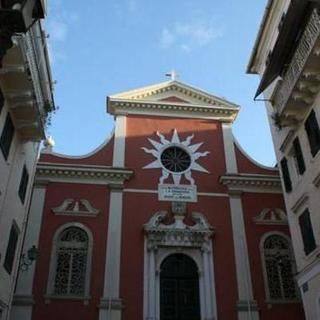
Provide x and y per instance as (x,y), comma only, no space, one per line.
(163,240)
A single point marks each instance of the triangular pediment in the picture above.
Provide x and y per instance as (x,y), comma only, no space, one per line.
(172,99)
(176,92)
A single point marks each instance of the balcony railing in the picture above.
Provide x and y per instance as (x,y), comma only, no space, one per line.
(298,63)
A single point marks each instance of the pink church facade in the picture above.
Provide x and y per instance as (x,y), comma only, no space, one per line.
(168,219)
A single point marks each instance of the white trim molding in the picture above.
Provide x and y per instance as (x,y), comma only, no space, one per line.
(162,240)
(258,183)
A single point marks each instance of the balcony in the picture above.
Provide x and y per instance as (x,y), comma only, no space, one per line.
(26,83)
(297,90)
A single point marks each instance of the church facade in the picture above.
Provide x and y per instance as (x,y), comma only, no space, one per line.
(169,219)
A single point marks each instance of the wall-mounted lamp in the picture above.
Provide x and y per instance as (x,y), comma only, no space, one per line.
(26,260)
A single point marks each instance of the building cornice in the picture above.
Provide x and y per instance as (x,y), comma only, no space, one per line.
(252,183)
(169,109)
(81,174)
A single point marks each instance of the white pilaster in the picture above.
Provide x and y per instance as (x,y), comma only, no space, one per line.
(229,152)
(152,283)
(246,305)
(119,141)
(110,306)
(23,299)
(207,285)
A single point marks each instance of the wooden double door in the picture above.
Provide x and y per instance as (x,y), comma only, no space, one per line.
(179,289)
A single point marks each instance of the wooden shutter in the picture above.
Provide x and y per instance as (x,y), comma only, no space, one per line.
(313,133)
(309,242)
(23,184)
(286,175)
(6,137)
(299,155)
(1,100)
(11,249)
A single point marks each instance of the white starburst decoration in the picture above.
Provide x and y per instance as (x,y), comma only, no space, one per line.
(176,158)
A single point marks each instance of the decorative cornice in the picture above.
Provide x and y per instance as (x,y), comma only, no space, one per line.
(124,106)
(81,174)
(252,183)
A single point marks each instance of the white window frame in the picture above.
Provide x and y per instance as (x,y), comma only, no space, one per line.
(53,263)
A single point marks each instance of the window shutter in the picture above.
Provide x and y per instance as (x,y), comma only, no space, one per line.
(286,175)
(11,249)
(1,100)
(23,184)
(313,133)
(299,155)
(6,137)
(309,242)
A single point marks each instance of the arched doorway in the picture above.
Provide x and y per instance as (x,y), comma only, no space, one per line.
(179,289)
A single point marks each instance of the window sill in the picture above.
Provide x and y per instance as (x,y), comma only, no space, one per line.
(50,297)
(282,301)
(315,157)
(313,254)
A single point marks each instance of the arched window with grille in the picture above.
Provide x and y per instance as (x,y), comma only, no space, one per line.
(70,261)
(279,268)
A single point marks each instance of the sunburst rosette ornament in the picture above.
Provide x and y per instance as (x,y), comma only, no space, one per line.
(175,158)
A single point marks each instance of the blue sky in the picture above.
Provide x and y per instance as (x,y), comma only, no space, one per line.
(111,46)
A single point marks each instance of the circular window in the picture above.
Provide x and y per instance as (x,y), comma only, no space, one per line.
(175,159)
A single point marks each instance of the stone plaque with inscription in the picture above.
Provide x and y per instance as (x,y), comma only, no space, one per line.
(183,193)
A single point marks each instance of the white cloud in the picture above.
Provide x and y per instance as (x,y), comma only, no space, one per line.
(167,38)
(188,36)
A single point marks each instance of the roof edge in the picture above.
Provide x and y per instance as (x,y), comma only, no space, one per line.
(265,17)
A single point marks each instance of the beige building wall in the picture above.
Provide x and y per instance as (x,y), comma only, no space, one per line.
(25,82)
(303,97)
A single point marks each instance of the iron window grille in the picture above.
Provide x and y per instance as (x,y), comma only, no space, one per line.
(278,263)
